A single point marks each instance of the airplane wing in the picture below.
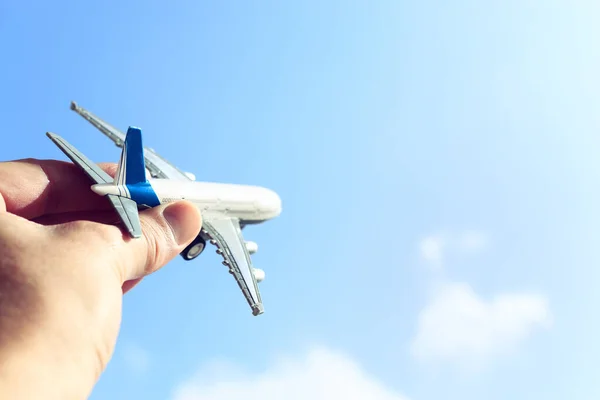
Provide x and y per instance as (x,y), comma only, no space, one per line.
(126,208)
(225,233)
(156,165)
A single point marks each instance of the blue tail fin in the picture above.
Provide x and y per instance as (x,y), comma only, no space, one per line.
(132,167)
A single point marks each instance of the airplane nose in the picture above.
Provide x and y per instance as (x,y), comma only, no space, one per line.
(270,202)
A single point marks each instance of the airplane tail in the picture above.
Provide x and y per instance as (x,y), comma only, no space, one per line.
(132,167)
(125,207)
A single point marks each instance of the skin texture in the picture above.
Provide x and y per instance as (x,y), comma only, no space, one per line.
(65,264)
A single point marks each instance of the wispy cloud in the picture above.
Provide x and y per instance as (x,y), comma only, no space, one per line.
(472,242)
(461,327)
(431,249)
(136,358)
(435,248)
(321,374)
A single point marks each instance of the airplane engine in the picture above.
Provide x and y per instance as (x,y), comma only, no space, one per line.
(259,274)
(190,176)
(252,247)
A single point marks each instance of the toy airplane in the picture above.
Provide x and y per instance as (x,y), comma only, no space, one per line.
(225,208)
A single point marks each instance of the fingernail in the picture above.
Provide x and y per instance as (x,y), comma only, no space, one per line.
(178,217)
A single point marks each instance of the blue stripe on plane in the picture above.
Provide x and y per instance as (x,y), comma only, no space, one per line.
(143,194)
(135,166)
(139,188)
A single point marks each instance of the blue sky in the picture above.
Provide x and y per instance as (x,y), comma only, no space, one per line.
(438,165)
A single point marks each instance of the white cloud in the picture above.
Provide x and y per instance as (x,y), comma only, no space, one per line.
(472,241)
(460,327)
(136,358)
(432,249)
(320,375)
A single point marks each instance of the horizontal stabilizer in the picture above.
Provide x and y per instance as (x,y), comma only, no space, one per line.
(126,208)
(91,169)
(128,212)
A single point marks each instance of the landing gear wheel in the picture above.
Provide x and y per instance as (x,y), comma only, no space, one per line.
(194,249)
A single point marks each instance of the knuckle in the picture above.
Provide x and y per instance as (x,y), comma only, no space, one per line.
(109,168)
(90,231)
(15,242)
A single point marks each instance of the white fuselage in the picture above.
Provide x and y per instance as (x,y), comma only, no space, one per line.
(248,203)
(251,204)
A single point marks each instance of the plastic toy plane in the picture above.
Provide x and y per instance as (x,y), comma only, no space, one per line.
(144,179)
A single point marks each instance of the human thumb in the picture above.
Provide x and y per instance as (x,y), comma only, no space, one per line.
(166,231)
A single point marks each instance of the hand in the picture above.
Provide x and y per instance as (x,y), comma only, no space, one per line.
(64,266)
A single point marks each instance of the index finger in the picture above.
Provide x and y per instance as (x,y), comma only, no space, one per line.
(32,188)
